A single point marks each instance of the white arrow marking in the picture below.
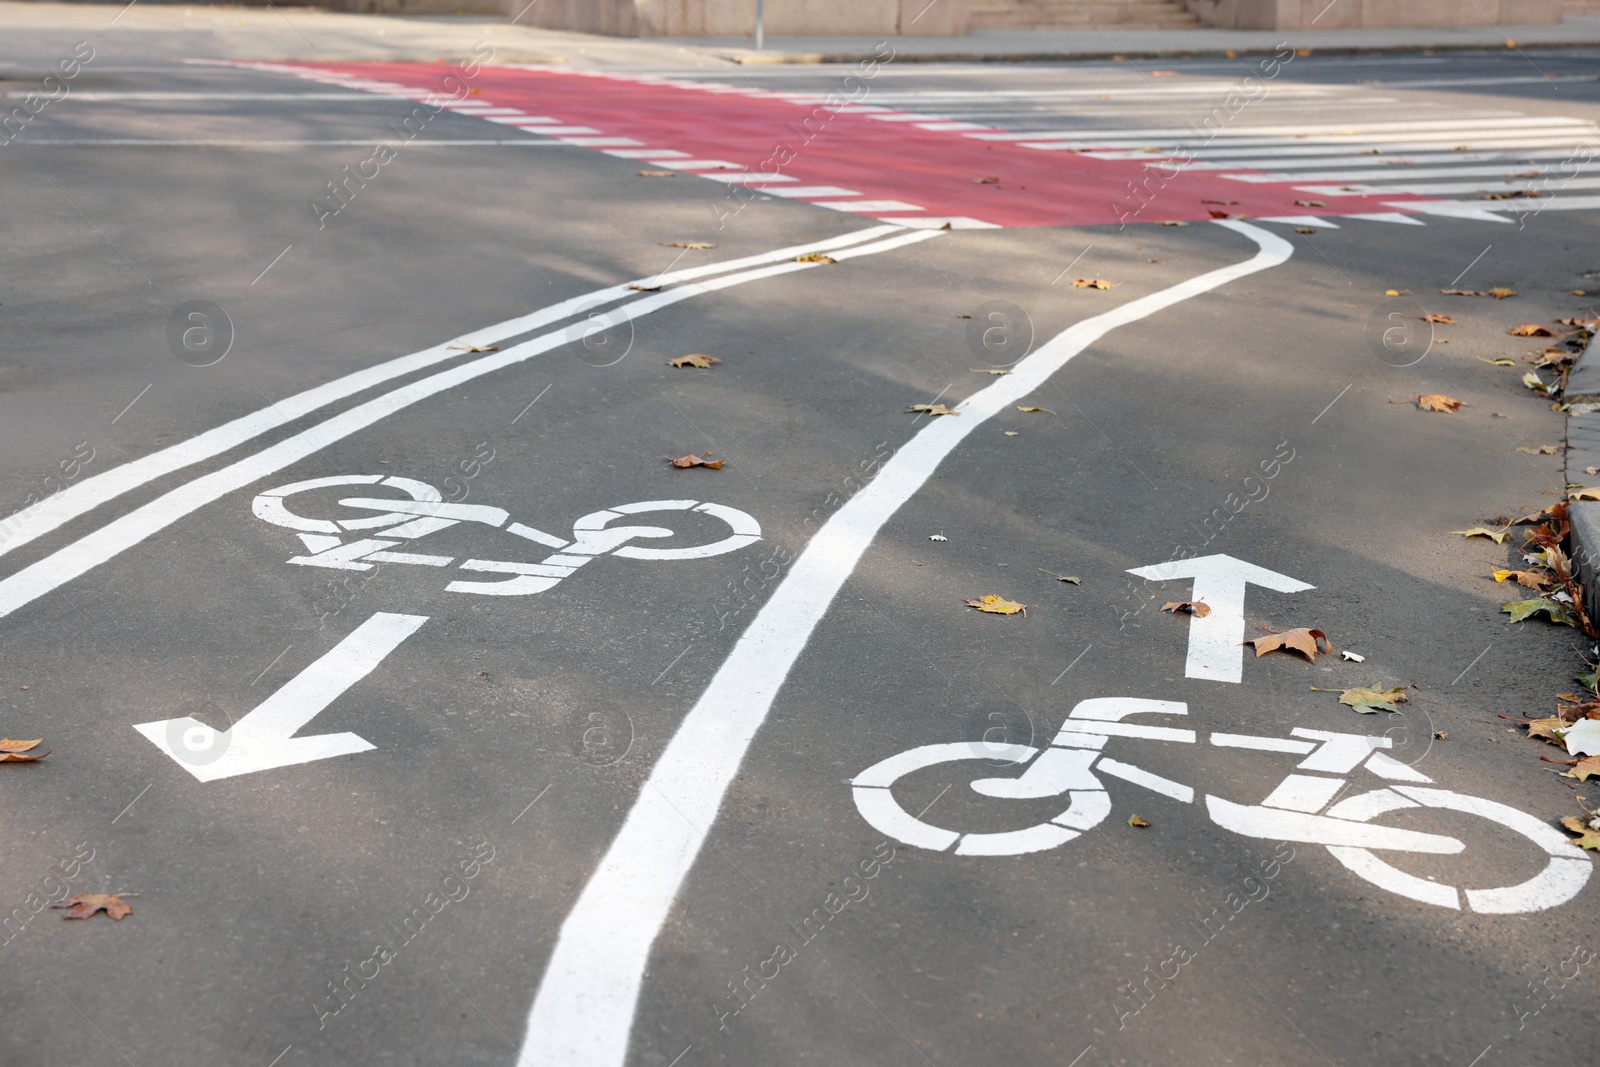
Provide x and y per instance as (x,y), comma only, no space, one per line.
(264,739)
(1216,642)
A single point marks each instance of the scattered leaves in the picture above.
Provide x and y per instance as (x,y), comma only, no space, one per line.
(1529,329)
(697,245)
(1092,283)
(1439,402)
(814,257)
(685,462)
(1301,639)
(996,605)
(1520,610)
(1446,319)
(83,905)
(13,751)
(1370,700)
(1198,608)
(932,409)
(1138,821)
(698,359)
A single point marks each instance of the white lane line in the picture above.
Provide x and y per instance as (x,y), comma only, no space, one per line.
(123,533)
(30,523)
(584,1009)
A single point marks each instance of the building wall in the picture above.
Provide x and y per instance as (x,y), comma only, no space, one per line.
(1354,14)
(733,18)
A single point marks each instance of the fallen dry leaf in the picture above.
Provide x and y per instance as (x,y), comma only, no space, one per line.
(458,348)
(1499,362)
(83,905)
(1587,838)
(996,605)
(1304,229)
(1584,769)
(1545,729)
(1446,319)
(12,751)
(1370,700)
(1529,329)
(1543,450)
(658,174)
(1554,610)
(644,288)
(1218,214)
(985,181)
(1219,201)
(1173,222)
(1592,493)
(1045,410)
(1302,639)
(987,370)
(1092,283)
(1060,577)
(1497,536)
(686,462)
(1138,821)
(696,360)
(1532,381)
(1353,657)
(1497,293)
(932,409)
(1198,608)
(1311,203)
(1526,579)
(814,257)
(1439,402)
(688,244)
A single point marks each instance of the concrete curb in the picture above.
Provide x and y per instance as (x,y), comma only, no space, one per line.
(1583,437)
(753,58)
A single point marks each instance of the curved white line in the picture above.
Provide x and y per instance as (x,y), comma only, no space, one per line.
(123,533)
(583,1013)
(31,523)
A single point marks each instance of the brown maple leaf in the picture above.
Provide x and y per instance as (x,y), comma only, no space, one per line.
(1446,319)
(1091,283)
(1526,579)
(1584,769)
(83,905)
(932,409)
(1529,329)
(686,462)
(697,360)
(1198,608)
(1302,639)
(13,751)
(1439,402)
(1544,729)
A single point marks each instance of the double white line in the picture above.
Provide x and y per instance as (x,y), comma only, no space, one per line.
(37,579)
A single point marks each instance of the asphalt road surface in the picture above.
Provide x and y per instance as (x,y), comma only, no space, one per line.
(434,718)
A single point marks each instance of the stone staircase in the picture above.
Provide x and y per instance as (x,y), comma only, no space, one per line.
(1084,14)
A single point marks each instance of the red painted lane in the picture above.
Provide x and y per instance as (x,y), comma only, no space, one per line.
(939,171)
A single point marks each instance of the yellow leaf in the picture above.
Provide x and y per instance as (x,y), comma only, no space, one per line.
(1592,493)
(814,257)
(1587,838)
(1138,821)
(1499,362)
(1092,283)
(1584,769)
(996,605)
(1497,536)
(1439,402)
(1529,329)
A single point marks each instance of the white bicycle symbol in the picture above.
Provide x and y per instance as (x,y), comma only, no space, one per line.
(423,511)
(1293,812)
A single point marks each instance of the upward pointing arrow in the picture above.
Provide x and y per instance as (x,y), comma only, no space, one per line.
(1216,642)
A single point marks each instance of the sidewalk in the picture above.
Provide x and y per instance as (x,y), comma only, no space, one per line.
(32,33)
(1020,45)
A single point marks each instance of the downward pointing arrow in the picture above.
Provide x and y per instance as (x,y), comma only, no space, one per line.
(264,739)
(1216,642)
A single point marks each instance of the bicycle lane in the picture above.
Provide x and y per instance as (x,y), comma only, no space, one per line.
(839,940)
